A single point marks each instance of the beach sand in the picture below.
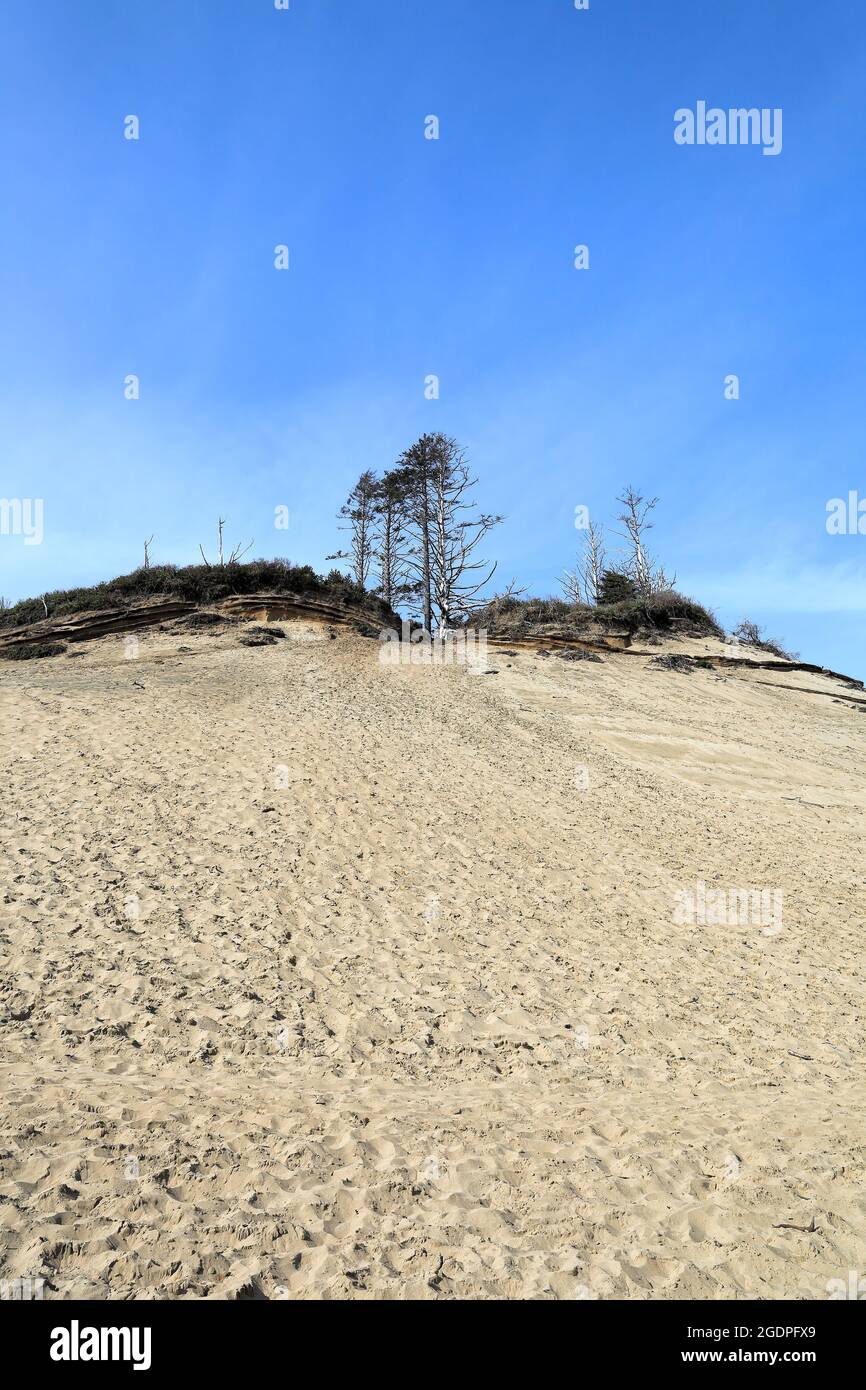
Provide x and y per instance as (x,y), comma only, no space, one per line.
(324,979)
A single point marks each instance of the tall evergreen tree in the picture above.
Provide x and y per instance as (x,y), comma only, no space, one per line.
(358,517)
(437,487)
(392,539)
(414,471)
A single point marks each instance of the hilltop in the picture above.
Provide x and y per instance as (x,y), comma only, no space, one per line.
(193,586)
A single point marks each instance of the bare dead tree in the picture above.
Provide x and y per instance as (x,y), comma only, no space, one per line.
(647,577)
(358,517)
(237,553)
(635,519)
(583,583)
(147,545)
(433,484)
(44,604)
(391,543)
(570,584)
(414,472)
(457,575)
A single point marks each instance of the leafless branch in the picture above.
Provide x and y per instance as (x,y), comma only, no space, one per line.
(647,577)
(239,551)
(583,583)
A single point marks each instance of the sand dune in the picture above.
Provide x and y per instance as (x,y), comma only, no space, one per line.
(330,980)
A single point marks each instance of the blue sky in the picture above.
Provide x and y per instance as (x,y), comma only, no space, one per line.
(411,257)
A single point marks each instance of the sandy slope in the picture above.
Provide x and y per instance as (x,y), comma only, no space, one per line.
(323,979)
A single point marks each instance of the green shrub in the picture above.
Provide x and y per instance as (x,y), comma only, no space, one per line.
(27,651)
(616,588)
(663,612)
(753,636)
(666,611)
(510,612)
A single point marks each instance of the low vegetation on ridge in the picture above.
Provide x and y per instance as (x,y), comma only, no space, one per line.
(666,613)
(193,583)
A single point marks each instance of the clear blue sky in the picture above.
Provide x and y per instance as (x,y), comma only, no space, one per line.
(455,257)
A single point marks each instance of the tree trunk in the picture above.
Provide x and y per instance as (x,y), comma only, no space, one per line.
(424,525)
